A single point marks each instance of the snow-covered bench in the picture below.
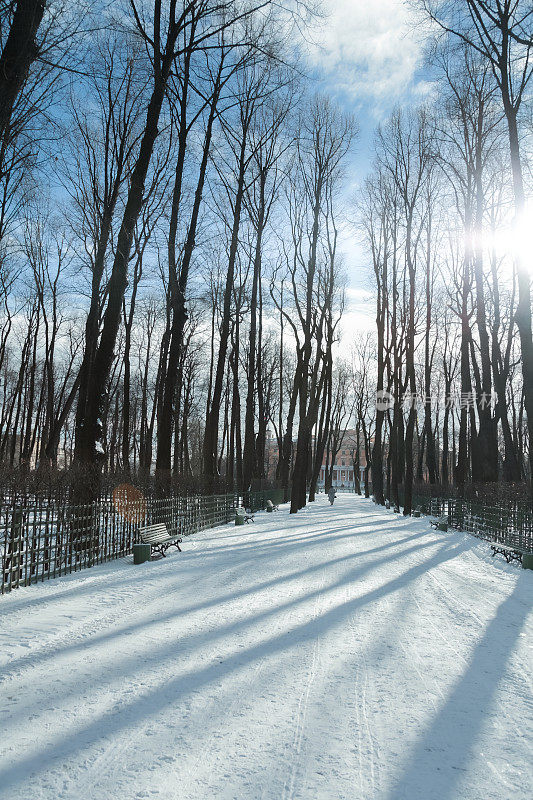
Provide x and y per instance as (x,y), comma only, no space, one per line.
(158,538)
(441,523)
(245,514)
(270,506)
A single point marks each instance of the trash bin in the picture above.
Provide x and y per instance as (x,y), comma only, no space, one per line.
(141,553)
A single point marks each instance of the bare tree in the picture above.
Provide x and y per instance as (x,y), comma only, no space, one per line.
(501,32)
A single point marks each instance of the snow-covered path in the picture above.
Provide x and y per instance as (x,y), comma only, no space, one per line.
(339,653)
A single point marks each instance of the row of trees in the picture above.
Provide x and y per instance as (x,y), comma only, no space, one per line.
(170,286)
(445,218)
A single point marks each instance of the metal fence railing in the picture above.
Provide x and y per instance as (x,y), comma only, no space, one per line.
(46,539)
(510,525)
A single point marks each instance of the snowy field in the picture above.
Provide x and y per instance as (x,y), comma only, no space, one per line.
(339,653)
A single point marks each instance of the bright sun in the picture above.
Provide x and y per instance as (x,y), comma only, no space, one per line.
(513,242)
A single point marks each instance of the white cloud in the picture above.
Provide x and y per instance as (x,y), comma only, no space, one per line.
(359,315)
(368,47)
(370,52)
(356,295)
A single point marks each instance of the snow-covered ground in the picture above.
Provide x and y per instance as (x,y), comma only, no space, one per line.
(343,652)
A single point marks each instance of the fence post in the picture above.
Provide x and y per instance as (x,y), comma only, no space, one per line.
(13,563)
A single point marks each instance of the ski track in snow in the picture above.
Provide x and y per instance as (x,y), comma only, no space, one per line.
(342,653)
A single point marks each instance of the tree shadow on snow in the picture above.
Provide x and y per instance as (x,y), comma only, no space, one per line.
(100,575)
(359,572)
(172,692)
(441,756)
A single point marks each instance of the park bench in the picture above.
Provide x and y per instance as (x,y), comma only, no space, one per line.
(245,513)
(158,538)
(440,523)
(509,553)
(270,506)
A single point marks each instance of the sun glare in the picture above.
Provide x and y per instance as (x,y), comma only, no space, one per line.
(513,242)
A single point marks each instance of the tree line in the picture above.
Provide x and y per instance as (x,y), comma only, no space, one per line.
(170,285)
(172,203)
(445,218)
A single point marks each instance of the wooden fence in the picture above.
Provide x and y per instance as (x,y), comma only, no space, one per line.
(46,539)
(510,525)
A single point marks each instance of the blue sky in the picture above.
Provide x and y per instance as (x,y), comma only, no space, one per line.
(368,56)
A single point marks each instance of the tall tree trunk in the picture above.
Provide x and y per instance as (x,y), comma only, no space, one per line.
(249,454)
(431,456)
(19,52)
(212,415)
(176,300)
(377,450)
(299,482)
(445,435)
(87,455)
(411,378)
(324,425)
(486,443)
(523,311)
(461,469)
(286,452)
(262,396)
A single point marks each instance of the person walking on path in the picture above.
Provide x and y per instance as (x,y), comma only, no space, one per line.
(331,495)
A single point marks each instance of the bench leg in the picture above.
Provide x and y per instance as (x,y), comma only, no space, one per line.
(162,548)
(509,555)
